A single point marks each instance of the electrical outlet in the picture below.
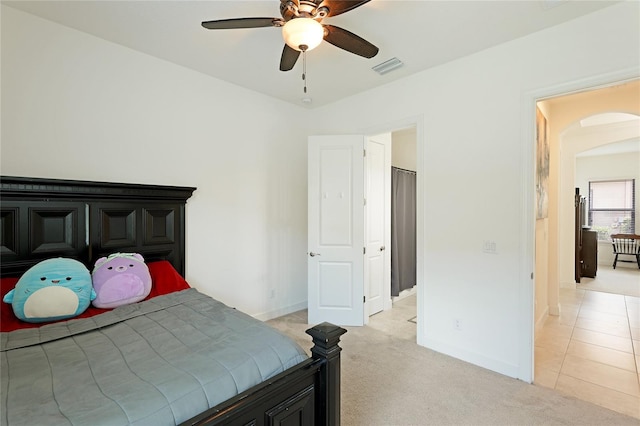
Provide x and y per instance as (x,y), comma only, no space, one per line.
(457,325)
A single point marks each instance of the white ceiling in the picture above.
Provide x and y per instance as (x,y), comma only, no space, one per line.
(622,147)
(422,34)
(600,121)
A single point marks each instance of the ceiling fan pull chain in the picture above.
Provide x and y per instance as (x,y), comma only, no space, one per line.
(304,69)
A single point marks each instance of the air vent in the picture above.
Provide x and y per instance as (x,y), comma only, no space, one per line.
(550,4)
(388,66)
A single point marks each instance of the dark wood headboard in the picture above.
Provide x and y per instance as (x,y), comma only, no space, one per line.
(43,218)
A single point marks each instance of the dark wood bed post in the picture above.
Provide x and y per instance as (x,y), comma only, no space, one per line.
(326,337)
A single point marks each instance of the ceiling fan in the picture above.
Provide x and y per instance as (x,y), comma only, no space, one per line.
(302,28)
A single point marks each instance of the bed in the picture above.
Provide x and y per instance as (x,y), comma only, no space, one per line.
(176,357)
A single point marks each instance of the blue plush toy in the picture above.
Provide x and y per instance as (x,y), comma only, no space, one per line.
(51,290)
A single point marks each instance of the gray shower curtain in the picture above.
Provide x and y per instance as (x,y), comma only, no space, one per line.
(403,230)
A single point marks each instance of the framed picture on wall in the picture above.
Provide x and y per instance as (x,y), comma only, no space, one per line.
(542,166)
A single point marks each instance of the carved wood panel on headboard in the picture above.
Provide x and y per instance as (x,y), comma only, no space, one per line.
(43,218)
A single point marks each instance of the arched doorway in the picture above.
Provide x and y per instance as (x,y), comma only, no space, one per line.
(576,123)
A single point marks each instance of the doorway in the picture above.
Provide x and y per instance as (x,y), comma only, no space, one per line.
(399,224)
(403,214)
(399,314)
(345,293)
(561,336)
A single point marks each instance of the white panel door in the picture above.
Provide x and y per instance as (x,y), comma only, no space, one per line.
(336,229)
(378,223)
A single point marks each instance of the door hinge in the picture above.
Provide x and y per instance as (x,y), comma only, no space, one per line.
(365,201)
(364,152)
(532,275)
(364,250)
(364,299)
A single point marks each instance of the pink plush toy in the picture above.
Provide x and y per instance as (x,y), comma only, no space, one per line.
(120,279)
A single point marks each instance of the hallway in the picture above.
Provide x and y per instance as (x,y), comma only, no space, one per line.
(592,350)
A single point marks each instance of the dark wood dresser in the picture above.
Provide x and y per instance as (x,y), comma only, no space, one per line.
(589,255)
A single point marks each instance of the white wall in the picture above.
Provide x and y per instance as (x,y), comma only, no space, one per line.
(403,149)
(610,167)
(472,177)
(78,107)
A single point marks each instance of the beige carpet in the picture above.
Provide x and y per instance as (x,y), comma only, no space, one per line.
(625,280)
(389,380)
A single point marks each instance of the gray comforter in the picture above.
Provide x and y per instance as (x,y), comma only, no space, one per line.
(157,362)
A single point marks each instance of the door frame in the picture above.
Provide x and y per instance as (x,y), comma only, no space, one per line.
(526,323)
(416,121)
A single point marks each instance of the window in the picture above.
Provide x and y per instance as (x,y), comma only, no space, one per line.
(612,207)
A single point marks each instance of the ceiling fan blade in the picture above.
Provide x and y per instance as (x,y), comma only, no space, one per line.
(289,58)
(336,7)
(348,41)
(229,24)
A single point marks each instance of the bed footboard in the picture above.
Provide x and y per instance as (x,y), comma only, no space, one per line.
(307,394)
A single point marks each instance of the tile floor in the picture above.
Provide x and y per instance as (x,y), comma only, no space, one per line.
(592,350)
(399,321)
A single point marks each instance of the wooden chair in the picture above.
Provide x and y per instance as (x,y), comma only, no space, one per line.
(626,244)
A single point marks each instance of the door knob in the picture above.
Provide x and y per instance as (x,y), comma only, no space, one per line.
(382,248)
(312,254)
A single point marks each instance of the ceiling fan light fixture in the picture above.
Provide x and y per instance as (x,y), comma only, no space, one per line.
(302,34)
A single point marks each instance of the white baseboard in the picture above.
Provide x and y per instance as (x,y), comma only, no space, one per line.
(404,293)
(540,323)
(554,310)
(266,316)
(568,285)
(475,358)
